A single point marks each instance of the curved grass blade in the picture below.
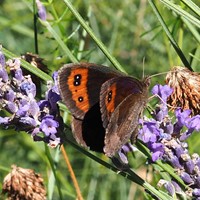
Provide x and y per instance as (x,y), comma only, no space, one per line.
(59,40)
(192,6)
(173,42)
(181,12)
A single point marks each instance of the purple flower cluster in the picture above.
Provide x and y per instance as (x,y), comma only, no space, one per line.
(17,97)
(165,136)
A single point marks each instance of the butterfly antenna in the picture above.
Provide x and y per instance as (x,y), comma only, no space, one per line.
(156,95)
(158,74)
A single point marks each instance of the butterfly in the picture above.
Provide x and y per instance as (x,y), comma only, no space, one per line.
(105,104)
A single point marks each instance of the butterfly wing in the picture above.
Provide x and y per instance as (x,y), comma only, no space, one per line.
(114,91)
(90,132)
(123,120)
(80,84)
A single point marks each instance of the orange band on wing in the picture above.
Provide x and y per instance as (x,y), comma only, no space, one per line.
(77,82)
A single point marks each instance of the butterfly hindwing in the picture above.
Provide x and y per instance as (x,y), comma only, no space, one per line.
(122,121)
(114,91)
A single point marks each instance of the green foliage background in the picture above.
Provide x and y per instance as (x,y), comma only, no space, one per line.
(134,36)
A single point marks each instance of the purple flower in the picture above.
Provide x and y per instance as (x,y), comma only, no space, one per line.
(4,120)
(55,78)
(126,148)
(53,95)
(157,149)
(177,187)
(28,87)
(194,123)
(196,192)
(189,166)
(22,111)
(123,157)
(168,128)
(186,178)
(43,104)
(170,188)
(164,133)
(149,131)
(54,142)
(35,131)
(179,151)
(3,75)
(174,160)
(2,59)
(161,112)
(10,95)
(163,91)
(41,10)
(11,107)
(18,74)
(28,121)
(34,109)
(49,125)
(168,185)
(182,117)
(53,98)
(186,134)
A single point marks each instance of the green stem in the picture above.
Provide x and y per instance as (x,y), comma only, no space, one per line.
(35,26)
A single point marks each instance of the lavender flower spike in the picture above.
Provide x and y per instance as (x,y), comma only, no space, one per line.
(164,134)
(17,96)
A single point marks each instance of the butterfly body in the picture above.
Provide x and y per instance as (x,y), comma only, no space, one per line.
(105,105)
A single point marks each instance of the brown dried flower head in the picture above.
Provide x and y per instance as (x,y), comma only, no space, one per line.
(186,85)
(23,184)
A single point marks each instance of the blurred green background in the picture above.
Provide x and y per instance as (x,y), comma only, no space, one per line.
(133,35)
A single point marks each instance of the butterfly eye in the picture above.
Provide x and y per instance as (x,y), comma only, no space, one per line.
(80,99)
(77,80)
(109,96)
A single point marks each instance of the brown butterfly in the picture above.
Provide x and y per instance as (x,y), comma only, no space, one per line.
(105,105)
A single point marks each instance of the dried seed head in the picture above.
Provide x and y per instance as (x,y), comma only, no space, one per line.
(23,184)
(186,89)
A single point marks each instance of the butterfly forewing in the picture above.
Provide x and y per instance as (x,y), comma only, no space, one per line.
(80,85)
